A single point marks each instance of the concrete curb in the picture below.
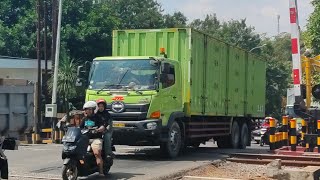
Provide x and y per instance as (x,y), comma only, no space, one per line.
(180,174)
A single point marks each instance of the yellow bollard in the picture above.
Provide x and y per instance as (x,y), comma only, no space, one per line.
(293,134)
(272,134)
(285,130)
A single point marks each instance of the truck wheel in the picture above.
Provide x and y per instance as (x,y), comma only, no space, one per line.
(235,135)
(173,145)
(244,136)
(4,169)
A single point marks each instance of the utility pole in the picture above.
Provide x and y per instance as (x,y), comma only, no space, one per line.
(54,32)
(56,65)
(38,118)
(55,77)
(278,17)
(45,79)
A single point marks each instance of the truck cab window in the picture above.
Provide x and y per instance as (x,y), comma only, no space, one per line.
(169,77)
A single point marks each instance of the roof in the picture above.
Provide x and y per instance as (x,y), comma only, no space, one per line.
(121,57)
(21,63)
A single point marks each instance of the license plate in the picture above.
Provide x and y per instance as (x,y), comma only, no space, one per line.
(119,125)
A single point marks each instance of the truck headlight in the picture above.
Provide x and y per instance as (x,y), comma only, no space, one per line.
(151,125)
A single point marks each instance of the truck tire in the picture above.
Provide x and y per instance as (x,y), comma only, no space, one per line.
(4,169)
(244,136)
(235,135)
(172,147)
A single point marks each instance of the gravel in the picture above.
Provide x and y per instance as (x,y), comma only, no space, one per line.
(226,169)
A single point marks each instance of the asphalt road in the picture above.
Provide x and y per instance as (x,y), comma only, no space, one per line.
(44,161)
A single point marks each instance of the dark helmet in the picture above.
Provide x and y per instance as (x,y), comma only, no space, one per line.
(99,101)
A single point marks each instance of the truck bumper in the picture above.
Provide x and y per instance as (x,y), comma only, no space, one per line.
(144,133)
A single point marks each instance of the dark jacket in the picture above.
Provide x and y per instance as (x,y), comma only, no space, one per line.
(98,123)
(105,117)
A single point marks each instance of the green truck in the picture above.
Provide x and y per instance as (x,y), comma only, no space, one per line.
(177,88)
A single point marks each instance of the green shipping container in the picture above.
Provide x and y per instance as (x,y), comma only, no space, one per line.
(218,79)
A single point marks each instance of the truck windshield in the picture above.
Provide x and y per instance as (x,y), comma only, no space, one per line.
(123,74)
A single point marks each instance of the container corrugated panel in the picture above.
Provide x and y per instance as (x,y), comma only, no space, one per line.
(236,82)
(256,81)
(216,77)
(197,73)
(147,42)
(16,109)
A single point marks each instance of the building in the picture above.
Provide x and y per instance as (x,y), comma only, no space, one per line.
(21,68)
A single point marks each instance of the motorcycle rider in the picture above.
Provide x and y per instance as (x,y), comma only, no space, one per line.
(105,116)
(92,120)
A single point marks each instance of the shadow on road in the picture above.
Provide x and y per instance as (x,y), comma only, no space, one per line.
(113,176)
(190,154)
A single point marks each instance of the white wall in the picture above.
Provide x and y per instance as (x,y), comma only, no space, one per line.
(28,74)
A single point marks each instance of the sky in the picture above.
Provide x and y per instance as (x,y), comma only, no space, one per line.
(262,14)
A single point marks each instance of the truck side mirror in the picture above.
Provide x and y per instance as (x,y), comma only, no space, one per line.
(80,72)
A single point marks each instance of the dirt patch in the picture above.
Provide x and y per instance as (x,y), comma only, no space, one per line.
(226,169)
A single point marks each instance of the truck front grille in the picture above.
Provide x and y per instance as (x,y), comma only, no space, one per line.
(132,112)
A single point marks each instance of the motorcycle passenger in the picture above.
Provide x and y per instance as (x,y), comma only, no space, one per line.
(92,120)
(105,116)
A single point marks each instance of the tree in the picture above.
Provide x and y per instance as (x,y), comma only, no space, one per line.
(17,28)
(210,25)
(234,32)
(87,29)
(177,20)
(313,28)
(142,14)
(278,56)
(67,75)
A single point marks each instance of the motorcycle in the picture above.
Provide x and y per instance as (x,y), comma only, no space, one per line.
(78,157)
(261,136)
(6,144)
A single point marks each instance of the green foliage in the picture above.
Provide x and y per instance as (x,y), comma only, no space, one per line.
(67,75)
(313,28)
(235,32)
(17,28)
(177,20)
(133,14)
(278,56)
(87,29)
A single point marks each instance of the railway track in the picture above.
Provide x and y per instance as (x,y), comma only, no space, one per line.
(296,161)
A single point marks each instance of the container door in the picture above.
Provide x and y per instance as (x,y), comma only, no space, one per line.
(16,109)
(236,80)
(197,74)
(216,77)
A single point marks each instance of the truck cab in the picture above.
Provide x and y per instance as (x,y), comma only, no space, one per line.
(141,93)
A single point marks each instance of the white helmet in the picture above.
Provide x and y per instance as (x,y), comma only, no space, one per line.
(90,104)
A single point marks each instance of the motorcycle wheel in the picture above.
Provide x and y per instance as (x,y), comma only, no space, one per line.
(107,166)
(261,143)
(69,172)
(4,169)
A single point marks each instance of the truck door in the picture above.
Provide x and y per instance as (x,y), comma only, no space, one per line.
(170,91)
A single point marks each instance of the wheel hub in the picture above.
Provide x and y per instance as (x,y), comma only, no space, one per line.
(174,139)
(70,173)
